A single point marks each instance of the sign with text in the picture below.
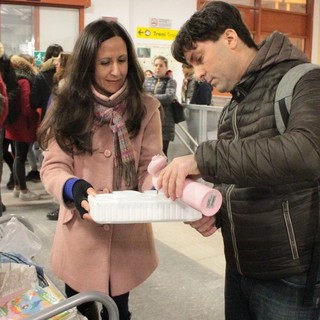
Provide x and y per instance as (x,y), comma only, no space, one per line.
(156,33)
(160,23)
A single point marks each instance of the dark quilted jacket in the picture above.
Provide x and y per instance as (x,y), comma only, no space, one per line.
(164,89)
(42,87)
(269,181)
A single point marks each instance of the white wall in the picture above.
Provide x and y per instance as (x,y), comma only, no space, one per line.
(134,13)
(58,25)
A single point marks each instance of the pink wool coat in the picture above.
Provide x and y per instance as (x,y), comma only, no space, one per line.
(88,256)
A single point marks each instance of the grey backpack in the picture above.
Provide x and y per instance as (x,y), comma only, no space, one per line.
(285,89)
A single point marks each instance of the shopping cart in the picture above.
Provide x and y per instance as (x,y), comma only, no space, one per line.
(76,300)
(66,304)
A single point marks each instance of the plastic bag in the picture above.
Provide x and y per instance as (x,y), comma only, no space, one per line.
(16,237)
(15,279)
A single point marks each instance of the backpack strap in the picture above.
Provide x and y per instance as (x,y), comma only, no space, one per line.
(285,89)
(42,75)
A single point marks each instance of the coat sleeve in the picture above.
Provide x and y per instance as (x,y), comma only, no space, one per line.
(291,157)
(56,169)
(151,143)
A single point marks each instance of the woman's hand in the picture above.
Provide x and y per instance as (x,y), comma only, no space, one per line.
(86,206)
(80,191)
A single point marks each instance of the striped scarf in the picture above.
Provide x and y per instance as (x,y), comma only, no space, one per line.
(106,112)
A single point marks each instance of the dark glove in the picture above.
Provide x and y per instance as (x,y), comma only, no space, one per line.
(80,192)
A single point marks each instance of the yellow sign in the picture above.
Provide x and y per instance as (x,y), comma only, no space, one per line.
(156,33)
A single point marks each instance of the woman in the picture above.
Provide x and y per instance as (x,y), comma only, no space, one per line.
(163,87)
(39,97)
(148,73)
(61,65)
(100,134)
(57,82)
(42,88)
(23,131)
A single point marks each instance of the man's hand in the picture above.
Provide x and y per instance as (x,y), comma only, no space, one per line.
(206,225)
(171,178)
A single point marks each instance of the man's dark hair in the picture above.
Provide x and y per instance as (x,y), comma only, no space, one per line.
(209,23)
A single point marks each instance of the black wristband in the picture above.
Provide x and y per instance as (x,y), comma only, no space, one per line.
(80,192)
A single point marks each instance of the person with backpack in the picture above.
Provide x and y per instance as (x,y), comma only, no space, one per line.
(41,91)
(269,180)
(23,130)
(43,83)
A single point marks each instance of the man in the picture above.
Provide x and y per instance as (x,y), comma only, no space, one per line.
(269,181)
(194,92)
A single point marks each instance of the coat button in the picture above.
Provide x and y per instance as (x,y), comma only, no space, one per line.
(107,153)
(106,227)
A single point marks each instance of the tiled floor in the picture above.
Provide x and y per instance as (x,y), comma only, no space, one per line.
(188,285)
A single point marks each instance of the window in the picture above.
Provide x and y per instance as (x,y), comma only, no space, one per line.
(17,29)
(287,16)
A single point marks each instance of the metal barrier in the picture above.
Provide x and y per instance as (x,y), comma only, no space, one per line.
(201,124)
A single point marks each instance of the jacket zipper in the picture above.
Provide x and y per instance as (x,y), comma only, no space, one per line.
(290,231)
(228,198)
(234,124)
(233,235)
